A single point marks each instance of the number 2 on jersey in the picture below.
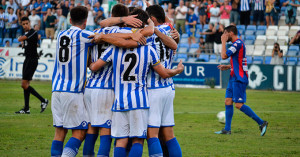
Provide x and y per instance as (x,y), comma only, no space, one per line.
(64,53)
(130,61)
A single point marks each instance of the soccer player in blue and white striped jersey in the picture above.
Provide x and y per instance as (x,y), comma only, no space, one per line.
(161,93)
(131,103)
(68,81)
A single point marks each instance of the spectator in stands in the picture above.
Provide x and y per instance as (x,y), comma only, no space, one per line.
(50,21)
(259,13)
(100,16)
(209,5)
(296,39)
(277,55)
(61,21)
(98,7)
(180,13)
(23,4)
(225,10)
(54,4)
(90,19)
(34,19)
(201,46)
(202,12)
(7,43)
(11,4)
(38,7)
(234,14)
(269,11)
(45,6)
(217,38)
(191,22)
(214,13)
(245,12)
(3,5)
(69,17)
(3,19)
(12,23)
(170,13)
(291,11)
(111,3)
(37,29)
(209,39)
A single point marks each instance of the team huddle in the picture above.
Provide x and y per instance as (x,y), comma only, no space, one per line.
(129,94)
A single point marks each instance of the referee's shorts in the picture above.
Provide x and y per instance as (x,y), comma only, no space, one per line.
(29,67)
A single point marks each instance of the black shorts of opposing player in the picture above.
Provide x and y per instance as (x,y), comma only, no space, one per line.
(79,15)
(141,15)
(158,12)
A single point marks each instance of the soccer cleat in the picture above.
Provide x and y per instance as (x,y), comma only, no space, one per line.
(44,105)
(223,132)
(22,111)
(263,128)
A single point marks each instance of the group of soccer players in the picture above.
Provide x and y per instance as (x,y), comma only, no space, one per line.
(129,94)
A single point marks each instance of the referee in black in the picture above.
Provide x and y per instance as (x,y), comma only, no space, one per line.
(30,40)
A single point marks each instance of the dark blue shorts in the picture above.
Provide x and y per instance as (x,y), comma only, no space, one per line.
(237,91)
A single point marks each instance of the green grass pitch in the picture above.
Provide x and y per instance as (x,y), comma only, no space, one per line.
(195,118)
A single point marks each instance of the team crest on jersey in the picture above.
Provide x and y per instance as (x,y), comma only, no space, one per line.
(233,49)
(234,44)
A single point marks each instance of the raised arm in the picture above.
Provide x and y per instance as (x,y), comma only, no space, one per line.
(166,73)
(120,42)
(224,38)
(149,30)
(169,42)
(130,20)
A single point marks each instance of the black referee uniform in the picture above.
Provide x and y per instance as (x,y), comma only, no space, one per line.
(31,56)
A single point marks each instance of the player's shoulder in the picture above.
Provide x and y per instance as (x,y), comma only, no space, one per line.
(110,29)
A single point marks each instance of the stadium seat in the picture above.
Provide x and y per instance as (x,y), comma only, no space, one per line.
(292,53)
(261,27)
(294,48)
(193,48)
(242,27)
(260,40)
(213,58)
(249,42)
(268,59)
(7,39)
(259,50)
(250,37)
(184,35)
(249,49)
(269,50)
(251,27)
(203,58)
(16,41)
(15,44)
(282,32)
(226,61)
(199,27)
(241,31)
(249,32)
(295,28)
(184,41)
(271,32)
(284,28)
(271,40)
(291,61)
(260,32)
(258,59)
(284,49)
(292,33)
(249,59)
(273,28)
(281,22)
(183,48)
(206,26)
(191,59)
(181,56)
(282,40)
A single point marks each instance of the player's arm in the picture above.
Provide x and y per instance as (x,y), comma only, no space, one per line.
(120,42)
(95,66)
(149,30)
(175,35)
(169,42)
(129,20)
(22,38)
(224,67)
(224,39)
(166,73)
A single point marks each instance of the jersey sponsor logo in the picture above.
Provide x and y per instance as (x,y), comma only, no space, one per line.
(240,99)
(232,49)
(2,61)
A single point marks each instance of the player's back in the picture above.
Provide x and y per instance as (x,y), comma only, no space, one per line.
(238,61)
(69,73)
(166,58)
(130,68)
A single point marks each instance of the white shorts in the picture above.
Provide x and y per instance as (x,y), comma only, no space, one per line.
(161,113)
(130,124)
(68,110)
(98,104)
(225,22)
(217,48)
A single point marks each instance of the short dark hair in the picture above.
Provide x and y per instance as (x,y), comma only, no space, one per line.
(191,8)
(24,19)
(131,9)
(119,10)
(1,8)
(158,12)
(79,15)
(231,28)
(142,15)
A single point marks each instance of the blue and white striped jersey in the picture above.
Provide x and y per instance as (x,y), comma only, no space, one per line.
(103,78)
(69,73)
(130,68)
(244,5)
(166,58)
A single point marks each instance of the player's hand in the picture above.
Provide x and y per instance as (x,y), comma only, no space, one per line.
(91,66)
(138,37)
(175,34)
(96,38)
(223,67)
(224,37)
(147,3)
(180,67)
(132,21)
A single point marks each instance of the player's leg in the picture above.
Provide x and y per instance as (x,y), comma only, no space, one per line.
(105,142)
(90,140)
(228,109)
(137,147)
(58,141)
(156,97)
(120,149)
(72,146)
(239,97)
(171,142)
(120,131)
